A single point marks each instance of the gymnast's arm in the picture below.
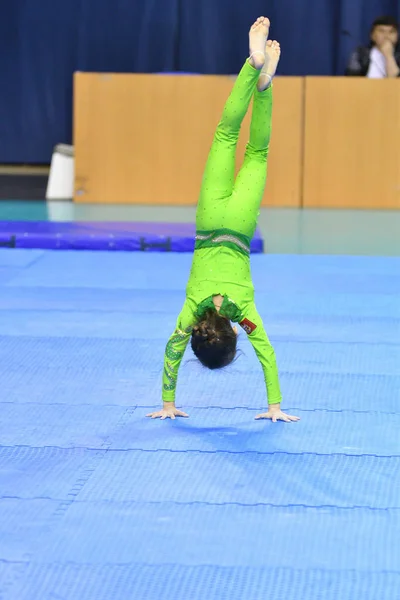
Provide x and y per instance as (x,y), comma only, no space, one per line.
(174,352)
(258,338)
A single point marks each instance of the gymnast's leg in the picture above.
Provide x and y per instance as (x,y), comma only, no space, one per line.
(218,180)
(243,207)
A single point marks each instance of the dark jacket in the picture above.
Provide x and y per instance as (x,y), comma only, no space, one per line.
(360,59)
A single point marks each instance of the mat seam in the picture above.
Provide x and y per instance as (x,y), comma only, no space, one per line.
(187,451)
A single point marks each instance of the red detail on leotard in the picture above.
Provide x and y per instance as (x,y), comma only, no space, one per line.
(248,326)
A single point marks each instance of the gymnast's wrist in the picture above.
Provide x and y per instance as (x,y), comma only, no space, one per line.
(274,406)
(168,403)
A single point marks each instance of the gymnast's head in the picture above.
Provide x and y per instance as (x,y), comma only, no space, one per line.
(214,341)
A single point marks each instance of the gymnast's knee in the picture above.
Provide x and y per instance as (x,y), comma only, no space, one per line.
(259,153)
(227,132)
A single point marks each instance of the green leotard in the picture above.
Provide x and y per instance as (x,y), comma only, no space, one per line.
(225,223)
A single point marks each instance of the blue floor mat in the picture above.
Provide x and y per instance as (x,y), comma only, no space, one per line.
(97,502)
(103,582)
(199,534)
(100,235)
(204,477)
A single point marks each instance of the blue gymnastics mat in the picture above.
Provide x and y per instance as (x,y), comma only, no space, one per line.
(97,502)
(140,237)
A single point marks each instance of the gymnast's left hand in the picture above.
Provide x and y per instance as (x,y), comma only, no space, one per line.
(169,411)
(275,414)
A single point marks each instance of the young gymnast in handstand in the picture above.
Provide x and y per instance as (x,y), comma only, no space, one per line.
(220,288)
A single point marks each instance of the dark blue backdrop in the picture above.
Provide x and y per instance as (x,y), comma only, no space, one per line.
(42,42)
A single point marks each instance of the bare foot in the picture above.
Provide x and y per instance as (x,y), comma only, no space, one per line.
(272,56)
(257,37)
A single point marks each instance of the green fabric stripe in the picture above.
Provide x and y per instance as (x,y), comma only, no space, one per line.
(200,244)
(212,235)
(216,232)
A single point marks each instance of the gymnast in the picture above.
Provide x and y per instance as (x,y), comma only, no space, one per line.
(220,289)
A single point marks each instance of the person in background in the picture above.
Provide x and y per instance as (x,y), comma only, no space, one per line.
(381,58)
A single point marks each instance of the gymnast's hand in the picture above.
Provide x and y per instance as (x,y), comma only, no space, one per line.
(169,411)
(275,414)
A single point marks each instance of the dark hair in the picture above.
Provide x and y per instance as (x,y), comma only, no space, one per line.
(214,341)
(386,22)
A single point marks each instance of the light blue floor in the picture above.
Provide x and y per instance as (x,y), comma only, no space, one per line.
(99,503)
(288,231)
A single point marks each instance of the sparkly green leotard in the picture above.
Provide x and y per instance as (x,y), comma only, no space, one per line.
(225,223)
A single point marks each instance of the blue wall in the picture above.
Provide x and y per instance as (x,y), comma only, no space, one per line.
(42,42)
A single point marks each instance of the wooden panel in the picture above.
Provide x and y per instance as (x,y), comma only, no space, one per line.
(144,139)
(352,149)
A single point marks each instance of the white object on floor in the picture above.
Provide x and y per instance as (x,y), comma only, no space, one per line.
(60,211)
(62,172)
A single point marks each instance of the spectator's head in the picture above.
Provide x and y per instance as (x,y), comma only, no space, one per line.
(384,28)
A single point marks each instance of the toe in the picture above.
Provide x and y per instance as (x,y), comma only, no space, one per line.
(269,43)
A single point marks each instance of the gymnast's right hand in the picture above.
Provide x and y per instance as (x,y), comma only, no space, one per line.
(169,411)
